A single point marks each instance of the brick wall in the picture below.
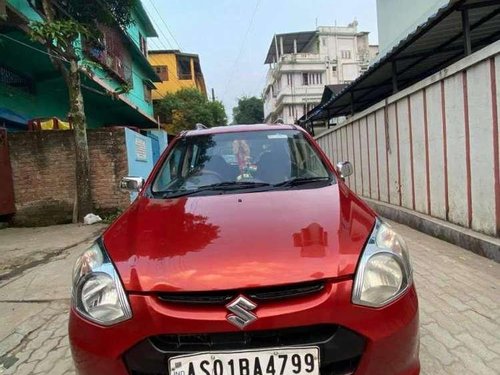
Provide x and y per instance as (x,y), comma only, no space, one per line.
(44,174)
(108,156)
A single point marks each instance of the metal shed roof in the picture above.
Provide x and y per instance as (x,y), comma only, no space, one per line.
(332,90)
(303,39)
(456,30)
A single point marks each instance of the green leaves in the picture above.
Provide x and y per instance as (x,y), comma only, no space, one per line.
(93,12)
(72,19)
(187,107)
(250,110)
(59,35)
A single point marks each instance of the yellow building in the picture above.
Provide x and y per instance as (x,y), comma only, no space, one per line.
(176,70)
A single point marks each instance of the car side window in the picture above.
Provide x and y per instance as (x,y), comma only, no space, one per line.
(170,171)
(308,161)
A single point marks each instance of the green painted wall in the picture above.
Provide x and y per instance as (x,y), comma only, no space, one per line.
(133,31)
(47,102)
(136,94)
(50,98)
(52,101)
(23,7)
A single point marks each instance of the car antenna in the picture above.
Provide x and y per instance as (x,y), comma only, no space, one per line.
(200,126)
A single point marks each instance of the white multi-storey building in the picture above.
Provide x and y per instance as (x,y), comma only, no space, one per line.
(301,64)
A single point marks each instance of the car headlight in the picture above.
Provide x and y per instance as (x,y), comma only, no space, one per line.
(98,293)
(384,272)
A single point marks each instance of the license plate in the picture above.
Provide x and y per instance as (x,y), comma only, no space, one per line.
(278,361)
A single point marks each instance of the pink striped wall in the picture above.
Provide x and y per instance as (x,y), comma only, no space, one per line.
(432,148)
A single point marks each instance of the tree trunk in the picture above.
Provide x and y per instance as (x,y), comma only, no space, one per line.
(83,204)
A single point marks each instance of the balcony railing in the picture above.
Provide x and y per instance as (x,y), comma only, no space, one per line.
(298,57)
(113,64)
(111,54)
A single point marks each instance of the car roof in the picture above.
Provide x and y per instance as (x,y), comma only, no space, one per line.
(240,128)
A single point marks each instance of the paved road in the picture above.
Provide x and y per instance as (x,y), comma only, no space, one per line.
(459,301)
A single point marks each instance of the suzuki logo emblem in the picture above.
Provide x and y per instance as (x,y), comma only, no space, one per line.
(242,314)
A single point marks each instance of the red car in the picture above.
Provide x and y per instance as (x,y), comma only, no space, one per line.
(245,253)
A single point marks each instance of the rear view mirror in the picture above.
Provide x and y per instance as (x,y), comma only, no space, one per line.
(344,169)
(132,184)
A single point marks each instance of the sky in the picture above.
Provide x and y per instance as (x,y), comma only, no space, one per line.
(232,37)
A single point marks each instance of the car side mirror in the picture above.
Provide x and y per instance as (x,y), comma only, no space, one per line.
(344,169)
(132,184)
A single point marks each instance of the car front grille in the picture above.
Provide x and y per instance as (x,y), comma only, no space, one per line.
(340,348)
(263,294)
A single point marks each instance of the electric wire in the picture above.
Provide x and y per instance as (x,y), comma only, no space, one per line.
(104,93)
(166,25)
(152,58)
(242,46)
(177,83)
(65,60)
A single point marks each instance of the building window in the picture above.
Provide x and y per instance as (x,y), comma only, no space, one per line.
(291,111)
(324,41)
(147,92)
(305,79)
(13,79)
(345,54)
(317,78)
(143,45)
(289,79)
(309,79)
(162,71)
(184,67)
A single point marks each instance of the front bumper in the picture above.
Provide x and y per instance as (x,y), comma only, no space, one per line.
(388,336)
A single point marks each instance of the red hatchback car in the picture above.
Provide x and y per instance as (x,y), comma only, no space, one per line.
(245,254)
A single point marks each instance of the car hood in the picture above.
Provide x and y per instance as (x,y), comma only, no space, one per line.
(234,241)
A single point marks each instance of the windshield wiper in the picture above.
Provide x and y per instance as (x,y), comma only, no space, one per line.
(302,180)
(235,185)
(221,186)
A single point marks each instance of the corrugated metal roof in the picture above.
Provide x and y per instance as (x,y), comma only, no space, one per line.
(303,39)
(434,45)
(332,90)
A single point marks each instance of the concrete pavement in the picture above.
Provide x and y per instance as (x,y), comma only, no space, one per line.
(25,248)
(459,307)
(35,275)
(458,291)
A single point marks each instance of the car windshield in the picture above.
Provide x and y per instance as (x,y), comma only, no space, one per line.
(240,161)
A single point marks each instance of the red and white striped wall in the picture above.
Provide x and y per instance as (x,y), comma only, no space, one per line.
(433,147)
